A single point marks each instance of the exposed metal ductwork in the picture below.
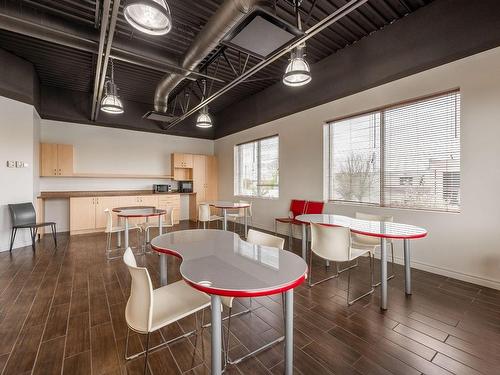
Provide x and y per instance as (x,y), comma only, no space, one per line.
(56,30)
(229,14)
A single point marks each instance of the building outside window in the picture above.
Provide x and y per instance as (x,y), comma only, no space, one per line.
(256,168)
(404,156)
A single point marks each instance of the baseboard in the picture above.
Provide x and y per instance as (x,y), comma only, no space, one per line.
(443,271)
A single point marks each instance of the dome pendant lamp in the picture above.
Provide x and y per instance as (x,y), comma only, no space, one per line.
(204,120)
(298,72)
(149,16)
(111,103)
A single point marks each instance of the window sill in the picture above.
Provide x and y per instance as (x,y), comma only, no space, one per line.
(374,205)
(256,197)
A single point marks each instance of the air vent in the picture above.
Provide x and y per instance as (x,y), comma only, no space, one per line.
(260,34)
(159,116)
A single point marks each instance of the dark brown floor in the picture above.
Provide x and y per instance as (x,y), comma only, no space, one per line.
(63,312)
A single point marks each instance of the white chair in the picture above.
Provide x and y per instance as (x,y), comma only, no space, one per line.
(150,309)
(371,242)
(168,222)
(334,244)
(205,216)
(256,238)
(239,216)
(110,229)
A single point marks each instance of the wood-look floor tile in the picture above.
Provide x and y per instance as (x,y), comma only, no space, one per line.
(50,357)
(24,353)
(78,336)
(57,322)
(78,364)
(103,349)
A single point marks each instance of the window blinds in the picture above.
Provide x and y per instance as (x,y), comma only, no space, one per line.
(256,168)
(405,156)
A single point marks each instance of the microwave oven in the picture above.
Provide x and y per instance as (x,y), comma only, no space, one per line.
(161,188)
(185,186)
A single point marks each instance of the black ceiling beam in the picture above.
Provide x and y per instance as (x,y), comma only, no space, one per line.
(439,33)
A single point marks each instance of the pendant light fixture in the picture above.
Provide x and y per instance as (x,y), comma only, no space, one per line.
(111,103)
(298,72)
(204,120)
(149,16)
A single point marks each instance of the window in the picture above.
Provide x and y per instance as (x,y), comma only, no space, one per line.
(256,168)
(405,156)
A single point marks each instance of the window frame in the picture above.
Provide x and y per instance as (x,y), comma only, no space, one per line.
(237,168)
(327,156)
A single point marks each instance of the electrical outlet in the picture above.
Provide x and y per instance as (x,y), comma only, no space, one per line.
(19,164)
(10,164)
(25,165)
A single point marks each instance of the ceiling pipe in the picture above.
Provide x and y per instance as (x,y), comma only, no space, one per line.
(228,15)
(308,34)
(56,30)
(102,39)
(109,42)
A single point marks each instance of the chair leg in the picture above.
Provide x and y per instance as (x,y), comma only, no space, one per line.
(146,356)
(54,234)
(12,238)
(290,236)
(349,303)
(311,284)
(275,227)
(33,236)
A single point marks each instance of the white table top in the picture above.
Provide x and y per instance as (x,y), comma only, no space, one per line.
(220,262)
(224,204)
(139,211)
(385,229)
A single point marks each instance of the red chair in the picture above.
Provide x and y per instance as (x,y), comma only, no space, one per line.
(313,207)
(297,207)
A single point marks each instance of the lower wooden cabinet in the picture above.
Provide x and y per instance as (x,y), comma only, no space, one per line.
(87,214)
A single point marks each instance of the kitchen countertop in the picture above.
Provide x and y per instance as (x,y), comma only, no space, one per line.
(105,193)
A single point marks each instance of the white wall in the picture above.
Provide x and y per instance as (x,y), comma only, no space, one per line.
(17,136)
(115,151)
(106,150)
(464,245)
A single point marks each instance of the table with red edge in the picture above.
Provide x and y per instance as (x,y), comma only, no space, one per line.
(220,263)
(138,211)
(224,206)
(381,229)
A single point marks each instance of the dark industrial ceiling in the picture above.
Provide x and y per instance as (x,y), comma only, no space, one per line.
(73,69)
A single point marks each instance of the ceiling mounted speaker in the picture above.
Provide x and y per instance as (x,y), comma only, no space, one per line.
(260,34)
(159,116)
(149,16)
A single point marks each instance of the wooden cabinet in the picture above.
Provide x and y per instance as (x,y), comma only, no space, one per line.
(182,160)
(182,167)
(205,178)
(82,214)
(87,213)
(56,159)
(102,203)
(171,200)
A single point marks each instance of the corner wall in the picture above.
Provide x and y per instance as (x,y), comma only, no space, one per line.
(464,245)
(18,132)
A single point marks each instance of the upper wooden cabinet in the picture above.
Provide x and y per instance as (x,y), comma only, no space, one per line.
(56,160)
(182,160)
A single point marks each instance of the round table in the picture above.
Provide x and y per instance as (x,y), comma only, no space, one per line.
(138,211)
(220,263)
(380,229)
(224,206)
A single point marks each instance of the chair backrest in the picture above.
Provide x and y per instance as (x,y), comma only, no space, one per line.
(109,220)
(241,211)
(370,240)
(139,310)
(297,207)
(313,207)
(22,214)
(259,238)
(331,243)
(204,212)
(169,217)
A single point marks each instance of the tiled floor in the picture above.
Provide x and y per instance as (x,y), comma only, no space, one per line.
(63,312)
